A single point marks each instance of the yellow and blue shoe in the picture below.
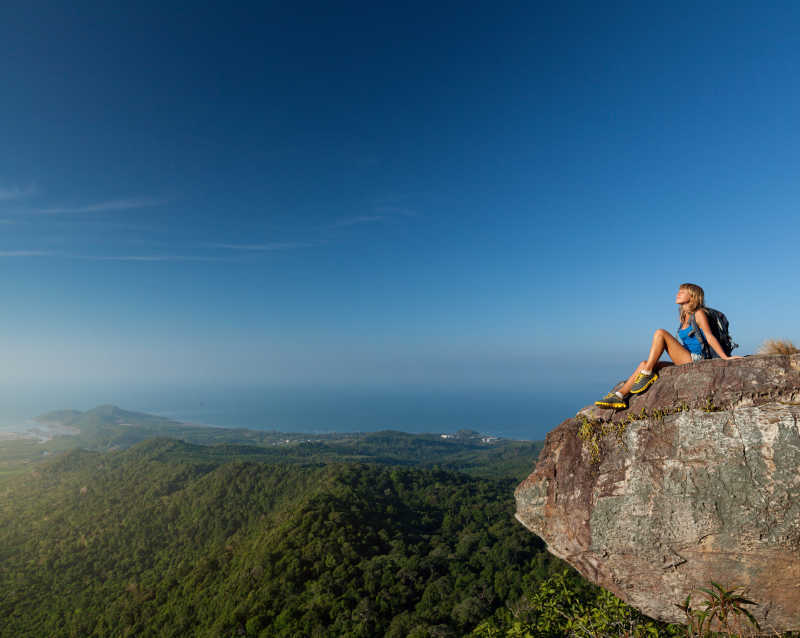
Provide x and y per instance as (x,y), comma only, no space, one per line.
(642,382)
(612,400)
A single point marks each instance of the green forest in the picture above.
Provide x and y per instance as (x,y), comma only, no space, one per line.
(169,538)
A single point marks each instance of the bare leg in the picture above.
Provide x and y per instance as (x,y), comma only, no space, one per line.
(662,341)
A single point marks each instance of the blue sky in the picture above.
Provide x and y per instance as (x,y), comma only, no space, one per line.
(474,197)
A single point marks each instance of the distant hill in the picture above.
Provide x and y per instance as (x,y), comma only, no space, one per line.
(59,417)
(104,415)
(108,427)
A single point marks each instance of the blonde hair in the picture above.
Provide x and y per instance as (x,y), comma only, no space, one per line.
(696,300)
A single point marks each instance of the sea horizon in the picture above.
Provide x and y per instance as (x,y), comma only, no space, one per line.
(508,414)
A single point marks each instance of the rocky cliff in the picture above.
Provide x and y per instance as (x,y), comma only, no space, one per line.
(697,481)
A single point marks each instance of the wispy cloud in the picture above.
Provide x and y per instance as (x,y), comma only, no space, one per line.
(361,219)
(145,258)
(270,246)
(111,205)
(395,211)
(235,253)
(14,192)
(26,253)
(380,214)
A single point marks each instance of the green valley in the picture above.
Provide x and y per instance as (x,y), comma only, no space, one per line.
(382,534)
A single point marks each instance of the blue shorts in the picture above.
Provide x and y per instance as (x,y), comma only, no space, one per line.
(698,356)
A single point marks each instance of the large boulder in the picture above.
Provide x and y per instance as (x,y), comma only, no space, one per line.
(697,481)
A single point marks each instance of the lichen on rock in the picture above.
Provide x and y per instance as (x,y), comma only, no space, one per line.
(697,481)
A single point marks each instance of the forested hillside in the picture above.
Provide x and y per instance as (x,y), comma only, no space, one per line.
(163,540)
(168,538)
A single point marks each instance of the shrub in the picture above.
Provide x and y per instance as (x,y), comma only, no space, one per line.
(778,346)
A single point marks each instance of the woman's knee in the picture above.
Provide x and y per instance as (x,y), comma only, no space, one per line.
(661,333)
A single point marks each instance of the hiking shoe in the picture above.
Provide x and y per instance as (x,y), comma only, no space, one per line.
(611,400)
(642,382)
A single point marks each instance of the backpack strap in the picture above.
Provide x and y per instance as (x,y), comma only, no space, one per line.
(698,333)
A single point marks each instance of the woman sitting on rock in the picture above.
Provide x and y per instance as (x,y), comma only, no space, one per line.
(691,347)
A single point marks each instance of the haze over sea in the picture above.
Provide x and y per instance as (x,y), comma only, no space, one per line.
(517,415)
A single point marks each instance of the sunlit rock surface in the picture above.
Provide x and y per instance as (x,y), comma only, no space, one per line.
(697,481)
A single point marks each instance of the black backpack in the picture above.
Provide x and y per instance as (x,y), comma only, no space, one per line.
(719,326)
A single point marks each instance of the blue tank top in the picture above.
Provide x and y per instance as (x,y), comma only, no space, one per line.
(691,343)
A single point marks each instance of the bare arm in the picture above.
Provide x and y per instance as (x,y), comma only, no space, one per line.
(702,323)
